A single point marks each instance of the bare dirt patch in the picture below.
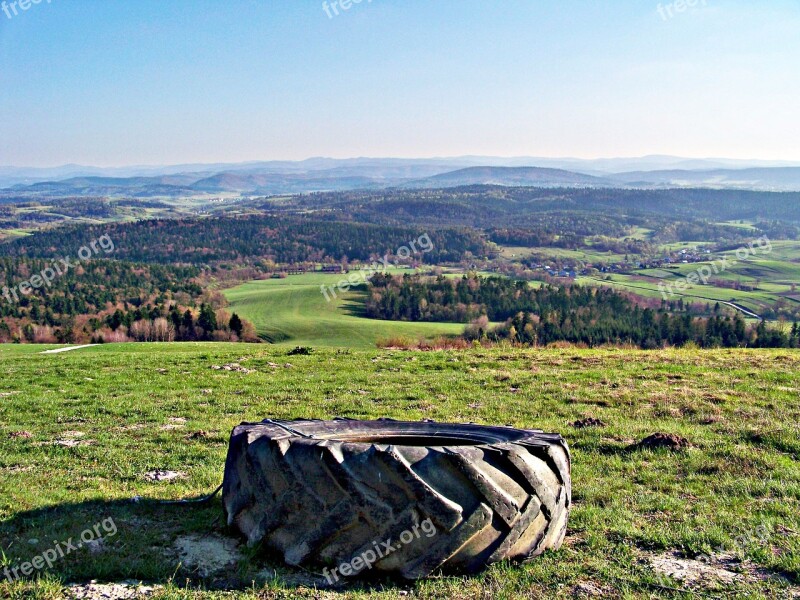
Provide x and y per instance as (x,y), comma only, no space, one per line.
(713,571)
(588,589)
(588,422)
(23,435)
(174,423)
(110,591)
(160,475)
(667,441)
(235,367)
(207,555)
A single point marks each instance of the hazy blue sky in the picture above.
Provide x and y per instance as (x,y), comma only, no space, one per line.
(116,82)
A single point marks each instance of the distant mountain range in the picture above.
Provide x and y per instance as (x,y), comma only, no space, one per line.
(325,174)
(769,179)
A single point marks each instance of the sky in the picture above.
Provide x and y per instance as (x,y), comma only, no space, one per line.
(121,82)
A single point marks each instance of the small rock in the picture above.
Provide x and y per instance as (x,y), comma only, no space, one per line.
(206,392)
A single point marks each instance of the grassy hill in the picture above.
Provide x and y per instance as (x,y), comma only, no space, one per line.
(80,431)
(295,311)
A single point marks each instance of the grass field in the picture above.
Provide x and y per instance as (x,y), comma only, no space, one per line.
(771,273)
(771,277)
(294,311)
(79,431)
(584,254)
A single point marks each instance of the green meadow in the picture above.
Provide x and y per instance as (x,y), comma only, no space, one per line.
(82,432)
(294,311)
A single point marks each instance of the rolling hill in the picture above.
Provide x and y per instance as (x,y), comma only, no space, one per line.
(509,176)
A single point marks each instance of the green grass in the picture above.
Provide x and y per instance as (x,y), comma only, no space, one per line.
(771,275)
(294,311)
(586,255)
(739,409)
(10,234)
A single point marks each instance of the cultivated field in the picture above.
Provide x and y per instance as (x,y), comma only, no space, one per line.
(83,433)
(295,311)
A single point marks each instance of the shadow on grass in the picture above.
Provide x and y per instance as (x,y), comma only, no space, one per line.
(148,541)
(354,307)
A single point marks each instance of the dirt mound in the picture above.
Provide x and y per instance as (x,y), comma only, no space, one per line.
(589,422)
(657,441)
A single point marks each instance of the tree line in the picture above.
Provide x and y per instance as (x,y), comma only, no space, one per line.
(547,314)
(105,300)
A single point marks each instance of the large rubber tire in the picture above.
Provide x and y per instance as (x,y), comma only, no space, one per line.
(326,492)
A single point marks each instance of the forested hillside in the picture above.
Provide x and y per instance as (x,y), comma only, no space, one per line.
(105,300)
(278,239)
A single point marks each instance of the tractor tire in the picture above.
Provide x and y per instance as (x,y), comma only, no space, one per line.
(397,497)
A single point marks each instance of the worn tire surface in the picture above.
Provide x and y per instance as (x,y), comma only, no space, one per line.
(325,492)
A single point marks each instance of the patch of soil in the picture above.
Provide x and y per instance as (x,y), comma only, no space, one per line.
(134,427)
(207,555)
(17,469)
(160,475)
(235,367)
(693,572)
(301,351)
(24,435)
(73,443)
(725,569)
(668,441)
(710,420)
(588,422)
(588,589)
(110,591)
